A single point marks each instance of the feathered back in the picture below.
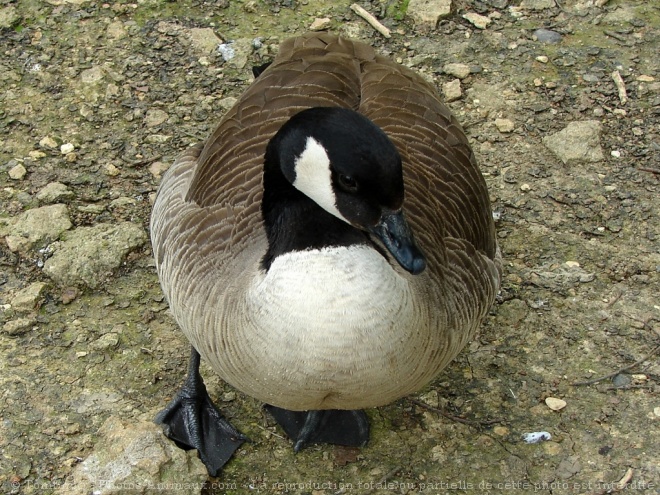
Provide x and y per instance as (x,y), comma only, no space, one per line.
(445,192)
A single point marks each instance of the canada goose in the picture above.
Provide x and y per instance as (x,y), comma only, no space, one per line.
(285,246)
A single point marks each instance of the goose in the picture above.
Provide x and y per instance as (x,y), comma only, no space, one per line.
(329,248)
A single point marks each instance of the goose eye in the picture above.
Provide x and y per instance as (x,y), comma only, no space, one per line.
(348,183)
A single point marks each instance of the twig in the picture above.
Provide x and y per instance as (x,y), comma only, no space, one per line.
(620,86)
(458,419)
(611,375)
(371,20)
(649,169)
(613,301)
(616,36)
(621,485)
(142,161)
(385,478)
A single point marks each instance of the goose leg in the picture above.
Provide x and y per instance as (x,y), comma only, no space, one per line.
(341,427)
(194,422)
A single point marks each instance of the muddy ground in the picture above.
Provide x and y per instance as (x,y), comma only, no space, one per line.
(101,98)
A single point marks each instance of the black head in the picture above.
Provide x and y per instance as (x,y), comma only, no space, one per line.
(348,166)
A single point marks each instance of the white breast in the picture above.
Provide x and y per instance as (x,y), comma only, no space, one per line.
(331,328)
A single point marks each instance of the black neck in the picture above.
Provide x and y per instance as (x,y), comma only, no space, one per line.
(294,222)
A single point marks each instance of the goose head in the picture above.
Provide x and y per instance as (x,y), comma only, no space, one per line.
(348,166)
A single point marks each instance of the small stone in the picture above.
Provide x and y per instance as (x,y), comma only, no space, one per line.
(577,142)
(92,75)
(555,404)
(29,298)
(504,125)
(90,254)
(477,20)
(320,24)
(615,153)
(452,90)
(501,431)
(134,453)
(37,154)
(538,82)
(645,78)
(17,172)
(48,142)
(18,326)
(111,170)
(542,58)
(67,148)
(525,187)
(460,71)
(158,168)
(155,117)
(54,192)
(204,40)
(537,4)
(428,12)
(37,226)
(547,36)
(227,103)
(552,448)
(106,341)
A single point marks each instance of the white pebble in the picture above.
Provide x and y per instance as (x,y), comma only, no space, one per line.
(536,437)
(67,148)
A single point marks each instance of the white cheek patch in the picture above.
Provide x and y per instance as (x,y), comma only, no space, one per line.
(314,179)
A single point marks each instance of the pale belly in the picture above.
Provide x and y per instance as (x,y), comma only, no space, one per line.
(342,331)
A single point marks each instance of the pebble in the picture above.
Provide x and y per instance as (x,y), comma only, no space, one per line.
(579,141)
(320,24)
(547,36)
(226,51)
(67,148)
(525,187)
(428,13)
(452,90)
(111,170)
(504,125)
(54,192)
(106,341)
(204,40)
(542,58)
(18,326)
(461,71)
(36,226)
(536,437)
(135,453)
(17,172)
(28,298)
(537,4)
(155,117)
(157,169)
(477,20)
(48,142)
(501,431)
(90,254)
(555,404)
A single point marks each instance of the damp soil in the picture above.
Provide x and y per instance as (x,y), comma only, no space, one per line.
(131,85)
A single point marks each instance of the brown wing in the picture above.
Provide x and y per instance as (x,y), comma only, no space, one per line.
(445,192)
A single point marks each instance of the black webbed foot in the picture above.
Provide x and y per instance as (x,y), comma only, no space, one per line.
(341,427)
(194,422)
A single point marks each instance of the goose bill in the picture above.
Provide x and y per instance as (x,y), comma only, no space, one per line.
(394,232)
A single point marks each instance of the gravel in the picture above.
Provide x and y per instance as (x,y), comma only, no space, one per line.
(101,97)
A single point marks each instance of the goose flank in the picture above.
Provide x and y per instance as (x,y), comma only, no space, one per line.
(329,248)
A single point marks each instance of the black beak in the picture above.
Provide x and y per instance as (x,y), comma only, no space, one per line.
(393,230)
